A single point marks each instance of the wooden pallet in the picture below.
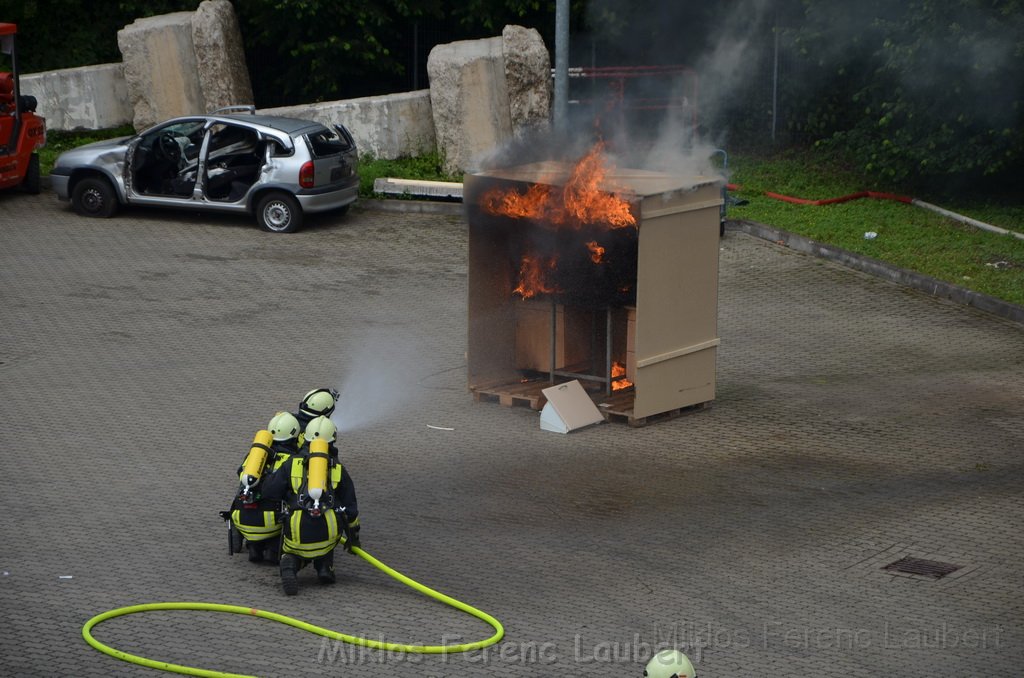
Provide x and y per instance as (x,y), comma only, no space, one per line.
(524,394)
(618,407)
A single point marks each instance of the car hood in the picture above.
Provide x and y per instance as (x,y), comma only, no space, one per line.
(90,153)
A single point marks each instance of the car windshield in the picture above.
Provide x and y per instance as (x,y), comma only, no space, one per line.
(327,142)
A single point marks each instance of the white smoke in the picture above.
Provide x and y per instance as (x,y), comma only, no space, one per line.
(379,380)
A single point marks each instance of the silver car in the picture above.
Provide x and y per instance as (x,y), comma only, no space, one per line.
(276,168)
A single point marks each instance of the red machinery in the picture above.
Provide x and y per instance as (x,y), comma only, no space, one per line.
(22,132)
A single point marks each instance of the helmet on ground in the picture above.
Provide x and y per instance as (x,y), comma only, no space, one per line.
(319,402)
(321,428)
(284,426)
(669,664)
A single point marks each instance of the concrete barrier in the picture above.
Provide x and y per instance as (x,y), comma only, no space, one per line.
(90,97)
(387,127)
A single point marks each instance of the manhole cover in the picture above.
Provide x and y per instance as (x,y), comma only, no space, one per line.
(926,568)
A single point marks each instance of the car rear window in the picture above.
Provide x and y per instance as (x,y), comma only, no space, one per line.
(327,142)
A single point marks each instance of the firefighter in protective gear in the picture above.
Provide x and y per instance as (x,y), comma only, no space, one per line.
(320,511)
(317,403)
(669,664)
(256,518)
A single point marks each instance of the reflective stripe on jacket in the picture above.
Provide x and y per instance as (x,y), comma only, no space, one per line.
(311,536)
(255,524)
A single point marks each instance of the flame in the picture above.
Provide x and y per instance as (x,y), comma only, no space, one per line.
(596,252)
(586,202)
(533,276)
(619,380)
(579,202)
(531,205)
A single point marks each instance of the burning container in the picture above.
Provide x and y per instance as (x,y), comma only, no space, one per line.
(608,276)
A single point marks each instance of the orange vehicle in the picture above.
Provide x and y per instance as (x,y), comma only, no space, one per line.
(22,132)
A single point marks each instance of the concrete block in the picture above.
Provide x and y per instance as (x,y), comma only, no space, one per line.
(388,127)
(160,68)
(90,97)
(527,78)
(220,58)
(442,190)
(469,100)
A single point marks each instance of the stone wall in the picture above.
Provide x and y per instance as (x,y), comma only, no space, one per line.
(482,94)
(91,97)
(388,127)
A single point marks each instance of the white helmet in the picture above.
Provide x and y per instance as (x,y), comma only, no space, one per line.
(284,426)
(319,401)
(669,664)
(321,428)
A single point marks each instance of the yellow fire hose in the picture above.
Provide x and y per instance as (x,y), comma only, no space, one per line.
(291,621)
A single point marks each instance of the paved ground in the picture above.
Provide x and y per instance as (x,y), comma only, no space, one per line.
(856,423)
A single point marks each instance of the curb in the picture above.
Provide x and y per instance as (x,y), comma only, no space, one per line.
(880,269)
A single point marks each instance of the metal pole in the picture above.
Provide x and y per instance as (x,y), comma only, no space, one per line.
(608,349)
(561,65)
(554,340)
(775,78)
(415,55)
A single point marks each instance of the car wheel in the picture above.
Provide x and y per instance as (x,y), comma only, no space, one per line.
(278,213)
(30,184)
(94,197)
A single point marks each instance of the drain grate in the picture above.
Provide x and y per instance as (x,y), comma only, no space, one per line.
(925,568)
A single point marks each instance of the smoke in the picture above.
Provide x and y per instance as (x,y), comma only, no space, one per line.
(379,380)
(706,55)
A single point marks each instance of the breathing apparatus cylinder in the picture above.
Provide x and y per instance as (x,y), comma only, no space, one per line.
(256,460)
(316,471)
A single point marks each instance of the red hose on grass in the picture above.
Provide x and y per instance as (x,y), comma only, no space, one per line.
(845,198)
(889,196)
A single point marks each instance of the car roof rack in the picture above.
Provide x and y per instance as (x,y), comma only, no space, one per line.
(248,108)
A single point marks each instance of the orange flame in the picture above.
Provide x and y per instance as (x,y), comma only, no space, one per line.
(533,277)
(531,205)
(619,380)
(596,252)
(580,201)
(586,202)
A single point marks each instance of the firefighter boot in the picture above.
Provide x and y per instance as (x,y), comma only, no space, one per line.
(289,579)
(255,551)
(325,568)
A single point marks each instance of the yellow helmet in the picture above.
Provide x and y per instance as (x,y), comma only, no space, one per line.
(669,664)
(321,428)
(284,426)
(319,401)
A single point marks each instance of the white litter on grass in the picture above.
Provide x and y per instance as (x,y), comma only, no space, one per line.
(6,573)
(64,576)
(870,235)
(440,428)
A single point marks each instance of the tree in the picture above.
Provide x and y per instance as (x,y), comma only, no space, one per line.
(917,90)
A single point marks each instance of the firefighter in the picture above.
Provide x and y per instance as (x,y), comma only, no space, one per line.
(317,403)
(254,516)
(319,507)
(669,664)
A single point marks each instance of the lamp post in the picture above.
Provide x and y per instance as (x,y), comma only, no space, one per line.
(561,65)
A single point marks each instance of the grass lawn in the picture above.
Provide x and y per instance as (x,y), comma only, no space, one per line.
(909,237)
